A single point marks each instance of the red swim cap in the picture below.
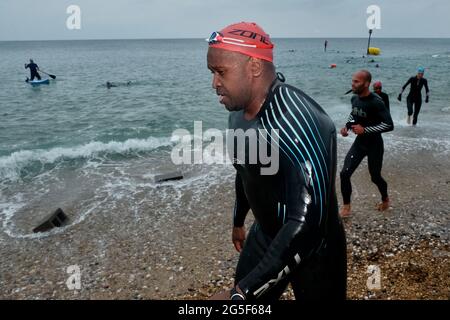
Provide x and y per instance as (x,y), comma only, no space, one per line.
(245,37)
(377,84)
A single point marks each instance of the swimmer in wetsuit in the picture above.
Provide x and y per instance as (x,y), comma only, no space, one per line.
(377,88)
(368,119)
(414,99)
(297,236)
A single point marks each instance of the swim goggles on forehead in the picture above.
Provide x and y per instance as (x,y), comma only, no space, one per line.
(216,38)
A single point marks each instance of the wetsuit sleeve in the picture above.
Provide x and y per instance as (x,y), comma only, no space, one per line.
(350,119)
(386,101)
(406,84)
(425,84)
(27,66)
(350,122)
(241,205)
(386,124)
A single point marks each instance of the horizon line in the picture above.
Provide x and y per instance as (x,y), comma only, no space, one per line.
(200,38)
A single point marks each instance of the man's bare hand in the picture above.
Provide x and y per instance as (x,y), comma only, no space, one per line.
(358,129)
(344,132)
(238,238)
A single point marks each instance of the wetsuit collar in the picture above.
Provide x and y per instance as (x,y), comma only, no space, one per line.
(369,96)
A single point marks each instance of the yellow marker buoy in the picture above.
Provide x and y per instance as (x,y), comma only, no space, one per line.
(374,51)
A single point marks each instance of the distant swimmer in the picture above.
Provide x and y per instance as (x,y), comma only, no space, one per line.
(117,84)
(414,99)
(33,70)
(368,120)
(297,236)
(325,45)
(110,85)
(377,87)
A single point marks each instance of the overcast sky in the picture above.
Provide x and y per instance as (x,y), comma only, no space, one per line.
(123,19)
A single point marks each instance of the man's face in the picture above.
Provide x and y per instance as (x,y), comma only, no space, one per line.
(377,88)
(420,75)
(359,83)
(231,77)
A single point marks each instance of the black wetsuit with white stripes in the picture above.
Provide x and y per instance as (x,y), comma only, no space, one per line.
(371,113)
(297,235)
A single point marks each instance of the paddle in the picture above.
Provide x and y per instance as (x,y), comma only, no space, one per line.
(50,75)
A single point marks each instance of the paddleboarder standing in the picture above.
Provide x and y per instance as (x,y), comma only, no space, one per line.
(33,70)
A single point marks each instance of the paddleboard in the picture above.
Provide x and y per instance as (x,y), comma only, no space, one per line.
(39,82)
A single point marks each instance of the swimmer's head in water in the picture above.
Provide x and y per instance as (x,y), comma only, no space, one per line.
(246,38)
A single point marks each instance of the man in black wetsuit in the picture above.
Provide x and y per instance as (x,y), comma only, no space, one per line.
(377,88)
(368,119)
(414,98)
(33,70)
(297,236)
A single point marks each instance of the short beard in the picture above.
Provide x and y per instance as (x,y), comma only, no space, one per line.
(358,90)
(234,108)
